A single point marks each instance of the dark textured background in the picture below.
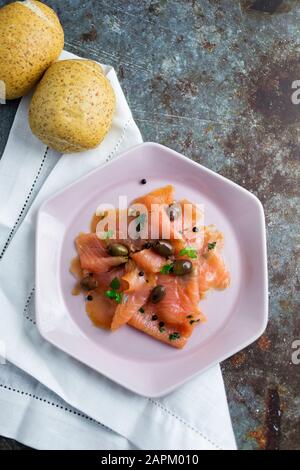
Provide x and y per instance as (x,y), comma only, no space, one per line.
(212,79)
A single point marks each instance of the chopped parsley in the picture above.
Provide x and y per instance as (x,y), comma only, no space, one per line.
(166,269)
(114,295)
(211,245)
(141,310)
(174,336)
(194,321)
(190,252)
(189,316)
(162,329)
(115,284)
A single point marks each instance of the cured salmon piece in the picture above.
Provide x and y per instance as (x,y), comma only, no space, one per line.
(148,260)
(93,254)
(212,235)
(163,195)
(213,273)
(104,279)
(179,306)
(120,230)
(134,296)
(144,322)
(192,217)
(75,268)
(131,279)
(161,227)
(100,309)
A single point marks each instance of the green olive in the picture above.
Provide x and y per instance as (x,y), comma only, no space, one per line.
(89,283)
(163,248)
(182,266)
(157,294)
(116,249)
(174,211)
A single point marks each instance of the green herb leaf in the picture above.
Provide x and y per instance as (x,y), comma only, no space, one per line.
(115,284)
(211,245)
(194,321)
(112,294)
(166,268)
(162,329)
(189,316)
(190,252)
(174,336)
(141,310)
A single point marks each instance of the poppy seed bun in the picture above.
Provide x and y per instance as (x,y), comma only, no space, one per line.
(31,38)
(73,106)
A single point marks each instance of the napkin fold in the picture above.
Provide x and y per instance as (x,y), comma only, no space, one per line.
(193,417)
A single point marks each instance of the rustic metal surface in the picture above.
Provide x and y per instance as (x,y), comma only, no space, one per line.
(212,79)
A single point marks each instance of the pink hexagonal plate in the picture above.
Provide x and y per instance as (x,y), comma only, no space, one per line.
(236,316)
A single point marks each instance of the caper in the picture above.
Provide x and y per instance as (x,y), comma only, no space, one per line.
(182,266)
(116,249)
(147,245)
(163,248)
(174,211)
(157,294)
(89,283)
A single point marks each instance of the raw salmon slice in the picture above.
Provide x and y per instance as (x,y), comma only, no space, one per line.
(144,322)
(104,279)
(100,309)
(179,306)
(191,220)
(163,195)
(213,273)
(93,254)
(134,296)
(149,261)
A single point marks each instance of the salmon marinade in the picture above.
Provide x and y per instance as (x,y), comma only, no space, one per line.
(153,284)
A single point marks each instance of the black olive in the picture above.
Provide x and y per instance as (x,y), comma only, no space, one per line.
(116,249)
(163,248)
(157,294)
(141,273)
(182,266)
(154,317)
(195,229)
(143,181)
(89,298)
(161,324)
(174,211)
(89,283)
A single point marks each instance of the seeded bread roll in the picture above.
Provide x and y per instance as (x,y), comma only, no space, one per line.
(73,106)
(31,38)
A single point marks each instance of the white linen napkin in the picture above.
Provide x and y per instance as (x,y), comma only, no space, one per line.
(193,417)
